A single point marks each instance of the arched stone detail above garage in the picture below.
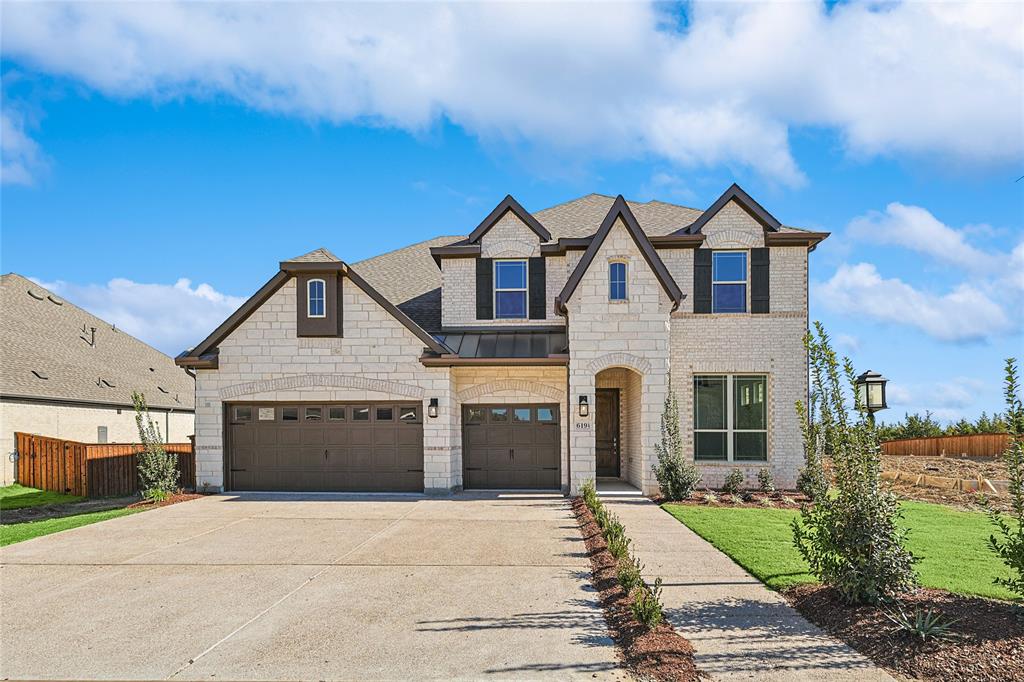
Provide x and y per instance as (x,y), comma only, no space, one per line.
(382,386)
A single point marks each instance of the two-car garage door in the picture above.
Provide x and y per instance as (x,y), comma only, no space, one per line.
(373,447)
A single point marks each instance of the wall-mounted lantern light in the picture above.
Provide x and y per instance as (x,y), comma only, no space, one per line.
(432,408)
(871,391)
(584,406)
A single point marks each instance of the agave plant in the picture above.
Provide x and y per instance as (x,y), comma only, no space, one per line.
(924,624)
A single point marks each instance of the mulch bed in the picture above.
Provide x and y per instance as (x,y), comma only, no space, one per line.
(987,644)
(172,499)
(658,654)
(783,499)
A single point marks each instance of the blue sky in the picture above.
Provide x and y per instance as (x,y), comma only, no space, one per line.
(158,163)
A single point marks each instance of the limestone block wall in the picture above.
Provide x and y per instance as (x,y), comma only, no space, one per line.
(633,334)
(377,359)
(769,344)
(483,385)
(80,423)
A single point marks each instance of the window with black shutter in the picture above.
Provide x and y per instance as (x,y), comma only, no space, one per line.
(538,288)
(702,281)
(484,289)
(760,280)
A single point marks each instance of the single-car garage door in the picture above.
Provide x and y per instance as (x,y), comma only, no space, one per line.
(371,447)
(511,446)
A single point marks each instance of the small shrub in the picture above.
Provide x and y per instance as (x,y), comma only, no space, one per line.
(588,491)
(647,608)
(601,517)
(851,540)
(766,481)
(733,482)
(630,574)
(923,624)
(1009,546)
(787,500)
(157,468)
(618,545)
(677,478)
(710,497)
(767,502)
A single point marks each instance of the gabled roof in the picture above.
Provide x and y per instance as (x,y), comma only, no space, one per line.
(204,355)
(49,351)
(509,204)
(745,201)
(620,209)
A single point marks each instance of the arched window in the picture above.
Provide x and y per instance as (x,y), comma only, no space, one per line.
(315,304)
(617,282)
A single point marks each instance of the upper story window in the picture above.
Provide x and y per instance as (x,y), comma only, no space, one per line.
(617,282)
(729,282)
(316,305)
(510,289)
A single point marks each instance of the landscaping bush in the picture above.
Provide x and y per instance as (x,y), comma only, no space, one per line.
(811,480)
(630,574)
(924,624)
(733,483)
(1009,546)
(851,540)
(157,468)
(766,481)
(647,608)
(676,477)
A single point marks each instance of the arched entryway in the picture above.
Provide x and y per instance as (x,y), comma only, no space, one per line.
(618,425)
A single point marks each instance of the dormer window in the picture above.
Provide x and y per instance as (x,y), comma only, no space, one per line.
(510,279)
(316,306)
(617,282)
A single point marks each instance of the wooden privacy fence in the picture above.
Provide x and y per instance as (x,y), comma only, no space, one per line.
(977,445)
(89,469)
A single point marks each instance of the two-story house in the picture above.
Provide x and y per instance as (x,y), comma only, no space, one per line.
(534,353)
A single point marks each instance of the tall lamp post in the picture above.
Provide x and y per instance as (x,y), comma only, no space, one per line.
(871,393)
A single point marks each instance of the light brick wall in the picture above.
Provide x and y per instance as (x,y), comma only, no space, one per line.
(483,385)
(769,344)
(509,238)
(80,423)
(633,334)
(378,359)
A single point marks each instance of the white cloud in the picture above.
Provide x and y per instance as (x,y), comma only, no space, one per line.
(20,157)
(169,317)
(916,228)
(897,394)
(848,341)
(963,314)
(586,81)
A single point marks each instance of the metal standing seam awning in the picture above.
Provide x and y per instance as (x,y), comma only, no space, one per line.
(516,346)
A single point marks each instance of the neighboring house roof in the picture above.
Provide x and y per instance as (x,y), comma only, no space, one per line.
(42,335)
(620,209)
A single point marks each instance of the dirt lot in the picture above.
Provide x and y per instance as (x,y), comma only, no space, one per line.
(951,467)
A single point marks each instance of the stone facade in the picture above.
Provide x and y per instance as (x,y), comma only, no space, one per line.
(633,345)
(80,423)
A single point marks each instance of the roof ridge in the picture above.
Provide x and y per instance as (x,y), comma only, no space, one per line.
(409,246)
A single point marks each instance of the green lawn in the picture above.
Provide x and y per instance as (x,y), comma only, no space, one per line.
(18,496)
(951,545)
(19,532)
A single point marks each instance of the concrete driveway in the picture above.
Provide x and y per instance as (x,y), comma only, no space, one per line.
(309,587)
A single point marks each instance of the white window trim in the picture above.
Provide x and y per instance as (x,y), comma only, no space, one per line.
(745,282)
(625,279)
(729,430)
(309,292)
(525,289)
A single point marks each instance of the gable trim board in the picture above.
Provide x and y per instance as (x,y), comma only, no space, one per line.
(620,209)
(745,201)
(200,356)
(509,204)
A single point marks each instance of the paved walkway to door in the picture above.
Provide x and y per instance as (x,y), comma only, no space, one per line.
(309,587)
(739,628)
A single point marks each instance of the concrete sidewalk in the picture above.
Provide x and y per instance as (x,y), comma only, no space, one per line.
(739,628)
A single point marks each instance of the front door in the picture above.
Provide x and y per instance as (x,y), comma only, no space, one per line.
(607,422)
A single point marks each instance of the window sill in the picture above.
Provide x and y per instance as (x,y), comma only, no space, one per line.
(734,463)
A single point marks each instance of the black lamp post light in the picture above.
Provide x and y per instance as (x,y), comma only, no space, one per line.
(871,391)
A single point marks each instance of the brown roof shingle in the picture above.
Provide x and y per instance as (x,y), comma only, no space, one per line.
(42,335)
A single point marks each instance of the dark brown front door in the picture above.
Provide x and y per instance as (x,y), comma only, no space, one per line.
(607,424)
(342,447)
(511,446)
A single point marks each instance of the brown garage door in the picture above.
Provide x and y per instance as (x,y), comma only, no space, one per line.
(511,446)
(372,447)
